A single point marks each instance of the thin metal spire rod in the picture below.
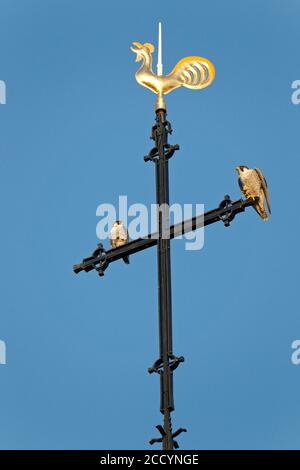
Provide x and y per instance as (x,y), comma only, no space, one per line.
(159,54)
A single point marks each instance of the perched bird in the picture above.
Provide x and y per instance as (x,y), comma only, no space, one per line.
(191,72)
(254,186)
(118,237)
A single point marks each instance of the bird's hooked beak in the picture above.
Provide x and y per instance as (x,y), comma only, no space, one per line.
(137,50)
(238,169)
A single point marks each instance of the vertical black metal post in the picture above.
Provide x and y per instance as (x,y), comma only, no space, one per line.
(167,362)
(164,277)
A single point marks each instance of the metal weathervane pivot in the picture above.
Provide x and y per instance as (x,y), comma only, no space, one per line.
(195,73)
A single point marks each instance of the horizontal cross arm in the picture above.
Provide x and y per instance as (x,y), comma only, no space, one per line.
(226,212)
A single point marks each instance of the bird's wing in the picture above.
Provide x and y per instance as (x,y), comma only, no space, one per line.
(241,185)
(259,206)
(112,238)
(113,233)
(264,186)
(123,234)
(193,72)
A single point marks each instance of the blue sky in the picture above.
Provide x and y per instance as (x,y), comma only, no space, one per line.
(73,134)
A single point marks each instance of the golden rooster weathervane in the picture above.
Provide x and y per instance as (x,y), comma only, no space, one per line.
(191,72)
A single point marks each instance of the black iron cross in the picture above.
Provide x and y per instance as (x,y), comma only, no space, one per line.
(100,259)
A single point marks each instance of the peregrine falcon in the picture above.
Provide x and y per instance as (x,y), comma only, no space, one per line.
(254,186)
(118,237)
